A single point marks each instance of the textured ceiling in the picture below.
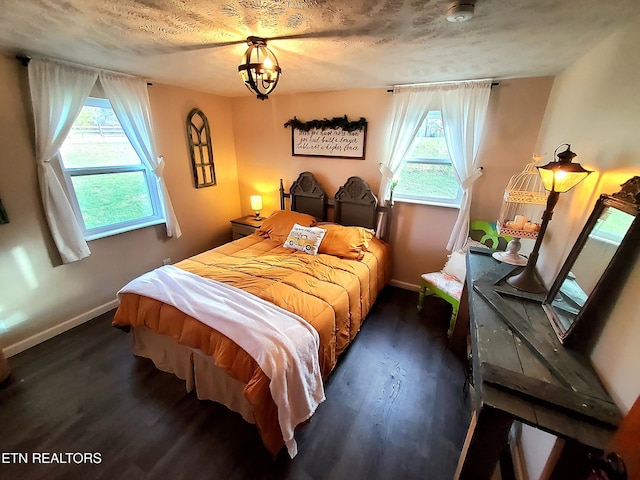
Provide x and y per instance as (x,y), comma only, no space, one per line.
(320,44)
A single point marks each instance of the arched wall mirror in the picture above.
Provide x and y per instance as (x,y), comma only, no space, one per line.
(200,149)
(596,268)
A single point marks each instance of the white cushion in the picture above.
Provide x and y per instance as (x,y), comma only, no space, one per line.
(305,239)
(456,266)
(446,283)
(472,243)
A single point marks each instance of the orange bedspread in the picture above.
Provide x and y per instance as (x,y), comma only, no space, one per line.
(332,294)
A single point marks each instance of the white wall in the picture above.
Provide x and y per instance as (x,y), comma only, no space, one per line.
(594,106)
(38,294)
(39,297)
(420,232)
(537,446)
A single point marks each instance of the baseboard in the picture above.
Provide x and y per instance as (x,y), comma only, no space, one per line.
(404,285)
(34,340)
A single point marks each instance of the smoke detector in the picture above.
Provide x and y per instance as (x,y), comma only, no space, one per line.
(461,11)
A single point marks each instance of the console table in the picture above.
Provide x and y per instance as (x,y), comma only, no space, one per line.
(550,388)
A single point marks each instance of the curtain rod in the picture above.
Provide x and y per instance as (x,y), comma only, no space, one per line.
(24,60)
(493,84)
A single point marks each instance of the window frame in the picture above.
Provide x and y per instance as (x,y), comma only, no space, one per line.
(425,199)
(115,228)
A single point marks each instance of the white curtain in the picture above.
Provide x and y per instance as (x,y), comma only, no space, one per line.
(130,101)
(409,109)
(58,93)
(464,108)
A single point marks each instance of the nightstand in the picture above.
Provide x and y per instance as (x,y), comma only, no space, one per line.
(243,226)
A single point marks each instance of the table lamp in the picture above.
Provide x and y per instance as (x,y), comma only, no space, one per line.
(256,206)
(557,177)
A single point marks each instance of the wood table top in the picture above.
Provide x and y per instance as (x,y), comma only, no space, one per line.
(520,366)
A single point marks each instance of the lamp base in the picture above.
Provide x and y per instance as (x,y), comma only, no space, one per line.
(510,258)
(526,281)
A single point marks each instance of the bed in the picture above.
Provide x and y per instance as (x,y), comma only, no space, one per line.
(332,291)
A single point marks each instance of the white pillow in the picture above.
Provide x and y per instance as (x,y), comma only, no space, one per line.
(456,266)
(305,239)
(472,243)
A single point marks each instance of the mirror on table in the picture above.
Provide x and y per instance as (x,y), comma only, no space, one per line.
(596,265)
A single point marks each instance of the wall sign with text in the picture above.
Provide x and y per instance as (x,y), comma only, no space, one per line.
(337,138)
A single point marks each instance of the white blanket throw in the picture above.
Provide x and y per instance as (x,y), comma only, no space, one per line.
(284,345)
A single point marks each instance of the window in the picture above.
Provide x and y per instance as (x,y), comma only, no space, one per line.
(612,226)
(110,188)
(428,175)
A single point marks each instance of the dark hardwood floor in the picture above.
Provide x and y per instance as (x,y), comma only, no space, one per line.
(396,408)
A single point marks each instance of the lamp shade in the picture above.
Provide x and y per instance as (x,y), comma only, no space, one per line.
(562,175)
(256,202)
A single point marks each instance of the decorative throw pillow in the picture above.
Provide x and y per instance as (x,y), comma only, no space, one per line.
(456,266)
(472,243)
(280,223)
(345,242)
(305,239)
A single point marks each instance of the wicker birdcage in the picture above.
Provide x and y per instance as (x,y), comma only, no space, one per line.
(521,214)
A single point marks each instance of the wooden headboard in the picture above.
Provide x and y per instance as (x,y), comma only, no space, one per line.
(307,196)
(355,203)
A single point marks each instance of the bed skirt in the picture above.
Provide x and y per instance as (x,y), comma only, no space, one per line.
(194,367)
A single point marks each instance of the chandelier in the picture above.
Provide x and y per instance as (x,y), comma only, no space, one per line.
(259,69)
